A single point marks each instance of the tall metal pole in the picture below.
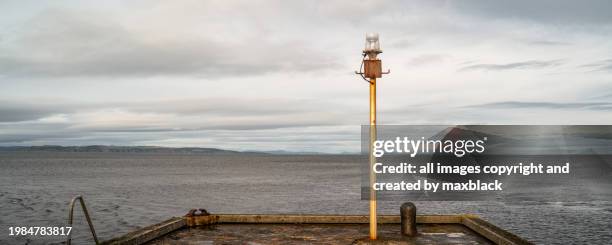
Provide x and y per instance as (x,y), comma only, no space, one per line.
(372,69)
(373,222)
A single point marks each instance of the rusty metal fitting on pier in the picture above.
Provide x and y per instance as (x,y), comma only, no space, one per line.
(408,219)
(197,217)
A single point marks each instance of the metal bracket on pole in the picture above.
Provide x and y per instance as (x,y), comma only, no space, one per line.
(363,76)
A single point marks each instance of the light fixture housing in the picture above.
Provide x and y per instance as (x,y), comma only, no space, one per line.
(372,44)
(371,67)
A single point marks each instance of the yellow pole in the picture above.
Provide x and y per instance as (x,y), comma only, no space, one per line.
(372,158)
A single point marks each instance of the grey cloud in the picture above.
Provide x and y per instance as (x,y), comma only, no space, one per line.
(403,43)
(229,124)
(543,11)
(15,133)
(65,43)
(427,59)
(225,106)
(547,43)
(601,96)
(166,116)
(605,106)
(531,64)
(603,65)
(16,112)
(19,138)
(20,134)
(21,114)
(215,106)
(255,138)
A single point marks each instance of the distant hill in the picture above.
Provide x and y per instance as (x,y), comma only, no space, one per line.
(107,148)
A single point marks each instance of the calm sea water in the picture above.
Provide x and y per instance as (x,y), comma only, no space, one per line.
(127,191)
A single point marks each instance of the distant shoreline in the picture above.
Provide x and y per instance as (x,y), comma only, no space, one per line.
(147,149)
(120,149)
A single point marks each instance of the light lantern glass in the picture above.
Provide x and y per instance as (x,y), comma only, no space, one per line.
(372,44)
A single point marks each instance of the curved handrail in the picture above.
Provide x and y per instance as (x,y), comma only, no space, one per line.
(71,216)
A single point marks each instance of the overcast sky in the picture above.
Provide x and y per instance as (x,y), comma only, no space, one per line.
(278,75)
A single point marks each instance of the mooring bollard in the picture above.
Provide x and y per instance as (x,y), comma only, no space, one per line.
(408,219)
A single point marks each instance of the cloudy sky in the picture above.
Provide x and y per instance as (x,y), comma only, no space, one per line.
(278,75)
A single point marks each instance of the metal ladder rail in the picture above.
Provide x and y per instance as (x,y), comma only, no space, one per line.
(71,216)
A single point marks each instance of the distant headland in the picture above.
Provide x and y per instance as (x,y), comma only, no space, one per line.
(144,149)
(112,148)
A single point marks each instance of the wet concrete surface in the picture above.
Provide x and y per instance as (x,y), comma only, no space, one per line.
(318,234)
